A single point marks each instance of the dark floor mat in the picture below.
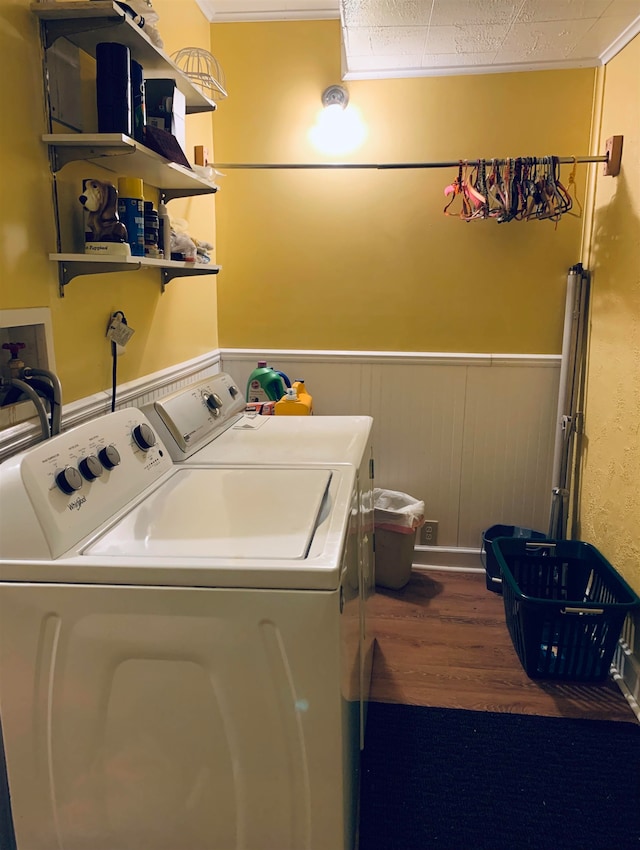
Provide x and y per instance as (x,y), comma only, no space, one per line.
(474,780)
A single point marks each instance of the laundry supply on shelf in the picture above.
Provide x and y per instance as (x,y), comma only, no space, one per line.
(151,231)
(131,212)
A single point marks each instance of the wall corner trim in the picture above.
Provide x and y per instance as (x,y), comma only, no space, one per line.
(433,358)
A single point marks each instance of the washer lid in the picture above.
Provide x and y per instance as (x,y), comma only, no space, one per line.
(259,513)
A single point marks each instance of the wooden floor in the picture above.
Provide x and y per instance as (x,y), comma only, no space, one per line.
(443,641)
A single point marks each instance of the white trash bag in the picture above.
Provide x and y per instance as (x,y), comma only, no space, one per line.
(394,511)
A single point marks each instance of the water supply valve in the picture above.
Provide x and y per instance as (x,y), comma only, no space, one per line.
(15,364)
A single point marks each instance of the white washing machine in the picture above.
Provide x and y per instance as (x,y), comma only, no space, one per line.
(204,423)
(179,647)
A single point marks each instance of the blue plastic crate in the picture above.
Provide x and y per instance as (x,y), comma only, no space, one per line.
(493,576)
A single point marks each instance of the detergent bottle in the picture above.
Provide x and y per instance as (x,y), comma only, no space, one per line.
(295,402)
(285,378)
(264,384)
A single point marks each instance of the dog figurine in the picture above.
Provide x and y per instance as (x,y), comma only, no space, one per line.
(100,200)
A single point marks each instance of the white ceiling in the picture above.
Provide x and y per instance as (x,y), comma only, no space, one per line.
(412,38)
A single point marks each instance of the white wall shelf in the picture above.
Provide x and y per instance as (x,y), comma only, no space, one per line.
(127,158)
(85,24)
(88,22)
(73,265)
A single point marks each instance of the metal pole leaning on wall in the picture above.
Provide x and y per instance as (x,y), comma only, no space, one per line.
(558,489)
(574,459)
(569,419)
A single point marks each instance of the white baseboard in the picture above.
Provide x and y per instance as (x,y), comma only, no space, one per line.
(447,558)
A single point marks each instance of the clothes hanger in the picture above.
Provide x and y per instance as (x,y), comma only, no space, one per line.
(571,182)
(495,190)
(524,188)
(474,201)
(454,189)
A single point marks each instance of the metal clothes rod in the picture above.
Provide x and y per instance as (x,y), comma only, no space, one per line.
(612,158)
(454,163)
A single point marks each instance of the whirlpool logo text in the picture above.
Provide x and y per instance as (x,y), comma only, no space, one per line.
(77,503)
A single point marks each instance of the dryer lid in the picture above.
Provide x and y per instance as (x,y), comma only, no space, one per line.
(290,439)
(213,513)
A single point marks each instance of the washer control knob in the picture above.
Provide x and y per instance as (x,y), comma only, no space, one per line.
(90,467)
(233,391)
(109,456)
(68,480)
(213,402)
(144,437)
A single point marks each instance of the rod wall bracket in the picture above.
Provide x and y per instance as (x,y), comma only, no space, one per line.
(614,154)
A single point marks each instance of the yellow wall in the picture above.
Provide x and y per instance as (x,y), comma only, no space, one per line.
(170,328)
(610,503)
(366,259)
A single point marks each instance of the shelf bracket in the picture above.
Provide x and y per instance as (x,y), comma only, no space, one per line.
(169,194)
(63,156)
(70,268)
(67,270)
(169,274)
(53,30)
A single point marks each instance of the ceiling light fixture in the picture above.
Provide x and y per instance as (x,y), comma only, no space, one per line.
(335,96)
(339,128)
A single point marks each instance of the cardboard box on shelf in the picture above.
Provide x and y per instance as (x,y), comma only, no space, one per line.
(165,107)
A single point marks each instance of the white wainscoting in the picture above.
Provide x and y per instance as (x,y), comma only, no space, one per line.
(471,435)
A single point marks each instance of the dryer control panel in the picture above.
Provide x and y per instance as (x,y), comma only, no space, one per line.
(189,419)
(63,489)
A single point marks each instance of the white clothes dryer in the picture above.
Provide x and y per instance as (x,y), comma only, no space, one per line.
(205,421)
(179,647)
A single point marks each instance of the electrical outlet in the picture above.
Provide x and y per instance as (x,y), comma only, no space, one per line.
(119,332)
(429,533)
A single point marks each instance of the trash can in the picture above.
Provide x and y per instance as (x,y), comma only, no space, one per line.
(397,517)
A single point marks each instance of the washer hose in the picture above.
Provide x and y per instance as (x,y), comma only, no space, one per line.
(37,401)
(56,401)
